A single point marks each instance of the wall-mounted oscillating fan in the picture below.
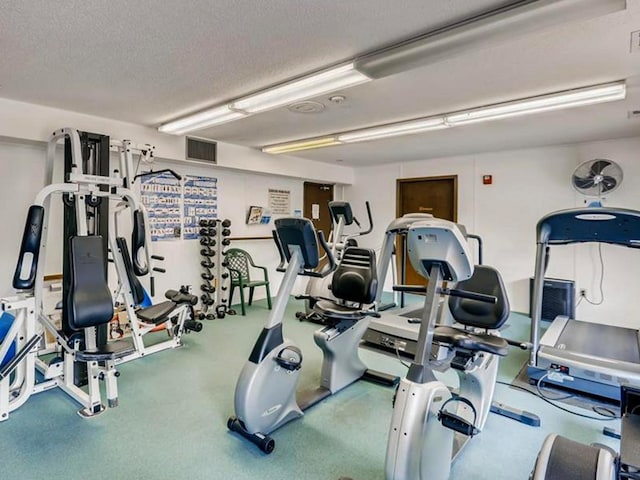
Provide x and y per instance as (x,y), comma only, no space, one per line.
(598,177)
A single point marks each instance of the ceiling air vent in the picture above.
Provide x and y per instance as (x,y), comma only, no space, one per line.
(201,150)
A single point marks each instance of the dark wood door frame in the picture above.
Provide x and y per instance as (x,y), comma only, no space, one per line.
(400,181)
(402,260)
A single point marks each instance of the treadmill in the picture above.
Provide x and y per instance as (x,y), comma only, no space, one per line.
(593,358)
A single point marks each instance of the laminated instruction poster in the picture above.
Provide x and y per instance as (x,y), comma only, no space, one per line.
(162,197)
(279,201)
(200,202)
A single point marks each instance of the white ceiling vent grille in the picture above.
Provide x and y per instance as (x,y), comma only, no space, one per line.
(202,150)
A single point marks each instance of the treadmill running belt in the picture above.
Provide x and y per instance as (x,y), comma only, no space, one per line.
(605,341)
(413,313)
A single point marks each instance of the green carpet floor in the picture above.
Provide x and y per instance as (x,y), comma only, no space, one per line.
(171,422)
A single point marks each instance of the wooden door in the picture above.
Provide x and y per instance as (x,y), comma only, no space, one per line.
(316,205)
(435,195)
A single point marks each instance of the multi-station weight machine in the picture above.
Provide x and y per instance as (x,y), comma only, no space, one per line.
(81,354)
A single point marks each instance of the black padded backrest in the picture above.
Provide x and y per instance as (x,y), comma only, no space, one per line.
(136,287)
(339,209)
(298,232)
(90,302)
(486,280)
(138,238)
(356,279)
(25,275)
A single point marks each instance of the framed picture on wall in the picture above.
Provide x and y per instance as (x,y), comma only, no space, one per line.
(254,216)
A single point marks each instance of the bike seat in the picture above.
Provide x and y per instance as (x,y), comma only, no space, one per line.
(329,310)
(475,342)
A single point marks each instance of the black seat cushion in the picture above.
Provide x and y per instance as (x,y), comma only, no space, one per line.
(89,300)
(475,342)
(156,314)
(329,310)
(110,351)
(473,313)
(355,279)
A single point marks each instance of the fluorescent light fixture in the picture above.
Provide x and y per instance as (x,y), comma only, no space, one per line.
(301,145)
(393,130)
(544,103)
(204,119)
(488,29)
(578,97)
(311,86)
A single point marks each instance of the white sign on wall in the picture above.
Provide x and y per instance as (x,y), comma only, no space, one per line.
(280,201)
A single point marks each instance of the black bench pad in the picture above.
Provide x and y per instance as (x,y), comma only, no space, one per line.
(180,297)
(156,314)
(110,351)
(333,311)
(476,342)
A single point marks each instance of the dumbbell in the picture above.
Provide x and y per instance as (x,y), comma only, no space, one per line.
(193,325)
(207,252)
(211,232)
(203,222)
(226,232)
(205,287)
(206,299)
(226,242)
(206,276)
(207,264)
(226,223)
(225,276)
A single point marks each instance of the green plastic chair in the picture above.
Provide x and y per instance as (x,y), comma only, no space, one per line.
(239,263)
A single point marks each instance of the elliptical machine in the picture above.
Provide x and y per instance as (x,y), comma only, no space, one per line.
(265,395)
(429,426)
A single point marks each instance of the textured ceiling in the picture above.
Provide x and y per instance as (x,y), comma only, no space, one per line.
(146,62)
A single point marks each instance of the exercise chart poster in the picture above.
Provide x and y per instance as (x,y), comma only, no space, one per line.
(200,203)
(280,201)
(161,195)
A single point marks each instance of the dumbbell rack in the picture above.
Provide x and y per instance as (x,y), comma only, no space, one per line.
(215,275)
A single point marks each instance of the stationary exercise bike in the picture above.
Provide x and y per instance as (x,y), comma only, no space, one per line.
(265,396)
(429,425)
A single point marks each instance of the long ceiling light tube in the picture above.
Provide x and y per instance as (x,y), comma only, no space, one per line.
(544,103)
(555,101)
(485,30)
(393,130)
(204,119)
(302,145)
(311,86)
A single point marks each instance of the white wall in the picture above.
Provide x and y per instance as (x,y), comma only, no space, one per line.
(244,175)
(28,122)
(527,184)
